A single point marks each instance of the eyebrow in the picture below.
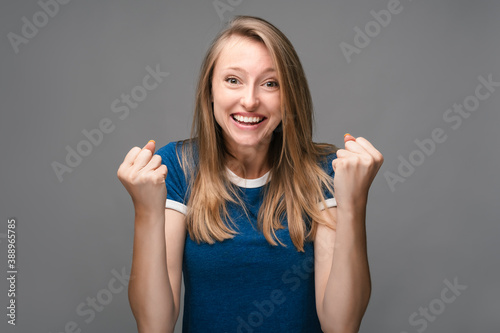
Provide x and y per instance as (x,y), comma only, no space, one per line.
(267,70)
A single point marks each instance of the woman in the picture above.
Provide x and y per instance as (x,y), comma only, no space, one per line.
(270,249)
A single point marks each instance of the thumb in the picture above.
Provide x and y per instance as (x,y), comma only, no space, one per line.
(348,137)
(151,145)
(334,164)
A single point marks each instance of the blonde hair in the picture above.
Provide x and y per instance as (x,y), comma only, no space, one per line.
(297,181)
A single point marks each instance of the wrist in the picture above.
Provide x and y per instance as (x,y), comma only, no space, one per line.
(351,228)
(351,216)
(149,213)
(354,206)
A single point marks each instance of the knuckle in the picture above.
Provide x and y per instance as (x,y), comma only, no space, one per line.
(157,159)
(160,179)
(121,173)
(368,160)
(138,180)
(145,177)
(132,181)
(133,151)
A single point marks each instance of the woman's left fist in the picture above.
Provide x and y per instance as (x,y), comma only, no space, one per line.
(355,168)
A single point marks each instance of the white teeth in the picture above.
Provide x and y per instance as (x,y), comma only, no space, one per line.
(247,119)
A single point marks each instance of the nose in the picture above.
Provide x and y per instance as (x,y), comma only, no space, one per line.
(250,99)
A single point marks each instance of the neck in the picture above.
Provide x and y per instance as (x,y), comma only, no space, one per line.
(253,160)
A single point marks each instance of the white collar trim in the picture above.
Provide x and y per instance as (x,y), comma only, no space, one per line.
(248,183)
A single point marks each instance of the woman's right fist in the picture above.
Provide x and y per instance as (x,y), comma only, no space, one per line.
(143,175)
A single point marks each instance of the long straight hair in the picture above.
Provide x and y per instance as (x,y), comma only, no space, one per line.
(297,181)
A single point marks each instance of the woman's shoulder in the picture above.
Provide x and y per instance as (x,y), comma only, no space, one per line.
(326,153)
(178,155)
(175,147)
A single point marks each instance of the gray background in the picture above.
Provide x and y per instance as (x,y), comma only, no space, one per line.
(440,223)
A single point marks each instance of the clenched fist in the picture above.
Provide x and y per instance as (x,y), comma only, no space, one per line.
(143,176)
(355,168)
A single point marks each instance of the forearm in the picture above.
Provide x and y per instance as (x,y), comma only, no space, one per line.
(348,288)
(150,293)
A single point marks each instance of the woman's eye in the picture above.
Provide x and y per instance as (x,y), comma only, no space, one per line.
(272,84)
(232,80)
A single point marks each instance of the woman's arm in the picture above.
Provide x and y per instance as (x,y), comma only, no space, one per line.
(341,261)
(155,279)
(342,274)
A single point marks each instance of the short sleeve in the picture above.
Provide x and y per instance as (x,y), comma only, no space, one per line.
(329,196)
(176,181)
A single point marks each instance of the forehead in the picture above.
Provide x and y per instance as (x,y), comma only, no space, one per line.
(239,50)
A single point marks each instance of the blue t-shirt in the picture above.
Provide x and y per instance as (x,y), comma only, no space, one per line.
(244,284)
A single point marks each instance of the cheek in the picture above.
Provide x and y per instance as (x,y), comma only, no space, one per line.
(220,111)
(275,105)
(277,111)
(224,100)
(217,114)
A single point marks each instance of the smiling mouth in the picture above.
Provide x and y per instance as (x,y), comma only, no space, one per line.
(248,120)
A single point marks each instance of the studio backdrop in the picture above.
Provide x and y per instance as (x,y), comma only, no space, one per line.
(82,82)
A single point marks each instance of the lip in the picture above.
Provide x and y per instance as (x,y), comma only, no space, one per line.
(247,127)
(248,114)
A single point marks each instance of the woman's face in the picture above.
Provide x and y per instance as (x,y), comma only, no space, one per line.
(246,94)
